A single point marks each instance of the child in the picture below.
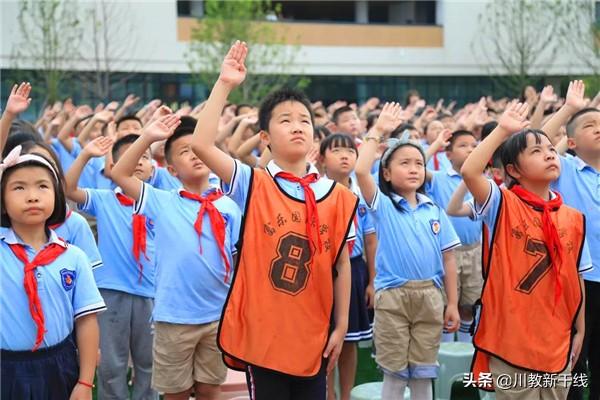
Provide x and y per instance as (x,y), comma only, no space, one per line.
(276,322)
(126,280)
(536,289)
(412,267)
(468,255)
(439,161)
(346,121)
(197,229)
(46,291)
(578,184)
(338,155)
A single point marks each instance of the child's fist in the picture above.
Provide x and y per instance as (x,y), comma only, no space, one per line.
(162,128)
(233,70)
(514,118)
(19,99)
(98,147)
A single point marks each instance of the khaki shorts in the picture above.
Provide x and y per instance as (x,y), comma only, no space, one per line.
(408,329)
(184,354)
(518,383)
(469,279)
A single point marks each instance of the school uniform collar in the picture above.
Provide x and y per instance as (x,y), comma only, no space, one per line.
(208,191)
(581,165)
(10,237)
(452,172)
(353,185)
(273,169)
(402,202)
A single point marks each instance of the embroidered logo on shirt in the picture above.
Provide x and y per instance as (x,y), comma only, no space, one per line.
(435,226)
(67,278)
(362,210)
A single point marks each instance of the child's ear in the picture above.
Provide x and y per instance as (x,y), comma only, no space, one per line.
(571,143)
(513,171)
(171,170)
(387,175)
(265,138)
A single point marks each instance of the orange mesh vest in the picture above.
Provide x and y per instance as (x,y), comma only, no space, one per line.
(519,322)
(279,307)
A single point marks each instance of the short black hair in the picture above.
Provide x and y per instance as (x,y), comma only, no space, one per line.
(277,97)
(60,203)
(18,139)
(572,121)
(337,140)
(128,117)
(321,132)
(179,133)
(487,128)
(456,135)
(187,122)
(386,187)
(336,114)
(396,133)
(515,145)
(125,140)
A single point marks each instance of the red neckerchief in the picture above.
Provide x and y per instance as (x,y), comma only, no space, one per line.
(216,222)
(551,237)
(54,226)
(312,216)
(353,242)
(50,253)
(436,161)
(138,228)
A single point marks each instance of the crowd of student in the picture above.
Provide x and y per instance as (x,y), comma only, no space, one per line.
(273,239)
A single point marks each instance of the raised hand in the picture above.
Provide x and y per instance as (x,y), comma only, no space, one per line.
(130,100)
(162,128)
(98,147)
(112,106)
(82,112)
(514,117)
(105,115)
(443,138)
(547,95)
(389,119)
(19,99)
(159,113)
(233,70)
(575,95)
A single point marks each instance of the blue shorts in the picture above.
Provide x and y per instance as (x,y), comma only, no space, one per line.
(360,319)
(48,373)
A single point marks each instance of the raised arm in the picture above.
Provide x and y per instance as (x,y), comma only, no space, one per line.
(18,101)
(122,172)
(236,139)
(457,206)
(102,117)
(96,148)
(65,133)
(513,120)
(574,102)
(388,120)
(233,73)
(547,97)
(129,101)
(244,151)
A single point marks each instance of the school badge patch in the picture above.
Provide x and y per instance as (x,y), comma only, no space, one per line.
(67,278)
(435,226)
(362,210)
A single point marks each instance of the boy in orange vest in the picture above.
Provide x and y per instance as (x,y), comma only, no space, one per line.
(277,324)
(532,313)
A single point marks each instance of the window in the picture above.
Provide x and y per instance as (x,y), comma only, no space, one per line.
(190,8)
(336,11)
(402,12)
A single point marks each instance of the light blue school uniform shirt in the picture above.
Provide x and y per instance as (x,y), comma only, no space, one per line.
(410,240)
(190,283)
(64,156)
(66,289)
(120,270)
(488,212)
(579,186)
(444,163)
(239,186)
(76,231)
(440,189)
(89,175)
(364,223)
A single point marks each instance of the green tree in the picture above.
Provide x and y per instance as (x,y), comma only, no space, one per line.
(224,22)
(50,33)
(519,40)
